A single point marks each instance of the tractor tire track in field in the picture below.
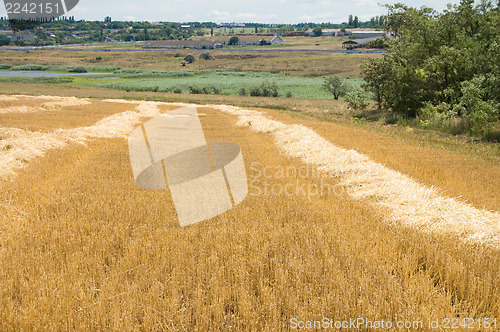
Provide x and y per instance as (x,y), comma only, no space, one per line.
(405,201)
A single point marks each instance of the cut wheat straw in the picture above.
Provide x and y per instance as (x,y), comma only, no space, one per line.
(18,147)
(20,109)
(407,201)
(65,102)
(7,98)
(53,103)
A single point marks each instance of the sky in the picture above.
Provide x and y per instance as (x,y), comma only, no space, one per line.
(227,11)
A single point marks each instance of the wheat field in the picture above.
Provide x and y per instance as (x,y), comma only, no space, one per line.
(406,233)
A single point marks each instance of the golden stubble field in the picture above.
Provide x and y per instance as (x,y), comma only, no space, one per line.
(83,248)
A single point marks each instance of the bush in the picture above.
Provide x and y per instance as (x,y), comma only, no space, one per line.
(177,55)
(482,115)
(206,56)
(357,99)
(215,90)
(78,69)
(471,114)
(207,90)
(242,92)
(4,66)
(193,89)
(269,89)
(189,58)
(266,89)
(255,91)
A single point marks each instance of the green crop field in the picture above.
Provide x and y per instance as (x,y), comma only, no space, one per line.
(228,82)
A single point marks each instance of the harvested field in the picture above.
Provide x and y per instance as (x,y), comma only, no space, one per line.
(407,201)
(83,248)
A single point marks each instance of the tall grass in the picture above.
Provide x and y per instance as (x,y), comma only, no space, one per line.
(62,68)
(40,80)
(140,73)
(228,82)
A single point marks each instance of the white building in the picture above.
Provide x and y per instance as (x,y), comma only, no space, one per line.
(365,33)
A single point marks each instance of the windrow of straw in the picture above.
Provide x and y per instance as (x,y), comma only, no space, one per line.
(406,201)
(52,103)
(18,147)
(8,98)
(66,102)
(20,109)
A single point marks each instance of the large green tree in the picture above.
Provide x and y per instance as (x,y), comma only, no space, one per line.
(435,58)
(234,40)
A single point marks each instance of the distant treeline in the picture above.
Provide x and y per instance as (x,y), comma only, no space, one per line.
(67,30)
(443,68)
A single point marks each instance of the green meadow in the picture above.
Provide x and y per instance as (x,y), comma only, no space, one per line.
(227,82)
(221,82)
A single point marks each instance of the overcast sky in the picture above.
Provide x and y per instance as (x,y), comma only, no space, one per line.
(261,11)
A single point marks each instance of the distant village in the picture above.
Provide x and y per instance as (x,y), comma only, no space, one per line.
(181,35)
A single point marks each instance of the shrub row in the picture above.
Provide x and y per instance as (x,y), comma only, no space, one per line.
(266,89)
(211,89)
